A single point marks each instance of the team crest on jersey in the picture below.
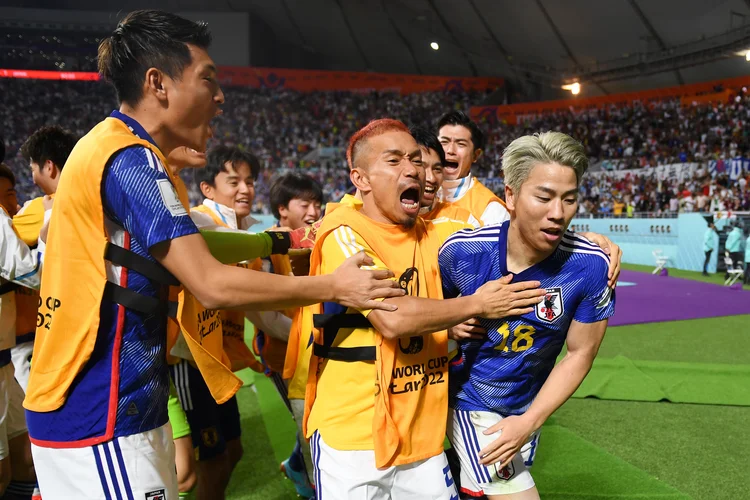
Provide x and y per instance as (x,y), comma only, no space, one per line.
(415,345)
(506,473)
(551,307)
(156,495)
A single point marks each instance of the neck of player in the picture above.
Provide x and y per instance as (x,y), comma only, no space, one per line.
(150,123)
(520,253)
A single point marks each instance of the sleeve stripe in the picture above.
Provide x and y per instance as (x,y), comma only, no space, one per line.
(353,240)
(344,248)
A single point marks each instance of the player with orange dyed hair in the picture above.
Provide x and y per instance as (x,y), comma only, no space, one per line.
(376,395)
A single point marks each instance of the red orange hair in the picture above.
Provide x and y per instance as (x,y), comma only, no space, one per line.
(372,129)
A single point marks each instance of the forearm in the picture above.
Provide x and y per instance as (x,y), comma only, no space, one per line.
(238,288)
(562,382)
(419,316)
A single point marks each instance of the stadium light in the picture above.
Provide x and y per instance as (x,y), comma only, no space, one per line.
(575,88)
(747,56)
(434,45)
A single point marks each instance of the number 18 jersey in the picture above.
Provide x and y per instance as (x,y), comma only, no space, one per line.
(504,372)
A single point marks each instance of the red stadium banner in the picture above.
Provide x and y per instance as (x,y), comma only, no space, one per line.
(696,92)
(305,80)
(48,75)
(311,80)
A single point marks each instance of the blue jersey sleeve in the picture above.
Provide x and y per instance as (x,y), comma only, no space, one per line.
(137,194)
(446,260)
(598,302)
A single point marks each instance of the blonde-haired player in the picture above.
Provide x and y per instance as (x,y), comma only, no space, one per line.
(505,386)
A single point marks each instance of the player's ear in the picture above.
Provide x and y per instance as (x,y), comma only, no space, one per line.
(283,211)
(475,156)
(207,190)
(155,84)
(510,202)
(360,179)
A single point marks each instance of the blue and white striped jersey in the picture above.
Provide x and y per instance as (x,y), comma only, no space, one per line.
(504,372)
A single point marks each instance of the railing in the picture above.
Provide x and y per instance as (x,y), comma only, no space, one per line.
(635,215)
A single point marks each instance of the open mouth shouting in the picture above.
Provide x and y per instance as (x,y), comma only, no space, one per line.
(410,201)
(450,168)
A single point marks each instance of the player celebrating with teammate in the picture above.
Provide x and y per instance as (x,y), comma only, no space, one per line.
(389,445)
(508,384)
(463,142)
(434,162)
(119,237)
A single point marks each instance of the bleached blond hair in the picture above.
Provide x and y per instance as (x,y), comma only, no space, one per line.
(526,152)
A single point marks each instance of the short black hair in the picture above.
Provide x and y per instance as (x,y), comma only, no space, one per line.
(461,118)
(148,39)
(217,159)
(293,185)
(52,143)
(427,139)
(7,173)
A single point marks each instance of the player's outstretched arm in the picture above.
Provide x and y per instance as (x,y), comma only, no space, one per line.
(583,343)
(218,286)
(420,316)
(611,249)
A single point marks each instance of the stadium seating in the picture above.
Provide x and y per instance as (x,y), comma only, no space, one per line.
(289,129)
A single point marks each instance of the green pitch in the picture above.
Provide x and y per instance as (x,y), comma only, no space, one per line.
(592,448)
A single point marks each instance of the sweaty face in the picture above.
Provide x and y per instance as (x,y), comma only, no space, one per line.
(234,188)
(433,169)
(8,198)
(459,151)
(392,178)
(544,206)
(299,213)
(193,101)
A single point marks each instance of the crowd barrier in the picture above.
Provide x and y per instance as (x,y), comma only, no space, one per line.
(679,238)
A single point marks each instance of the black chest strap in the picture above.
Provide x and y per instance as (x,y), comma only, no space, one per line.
(331,324)
(153,271)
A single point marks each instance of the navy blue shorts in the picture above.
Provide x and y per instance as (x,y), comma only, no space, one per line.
(212,425)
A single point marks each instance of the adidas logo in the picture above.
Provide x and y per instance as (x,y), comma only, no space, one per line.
(132,409)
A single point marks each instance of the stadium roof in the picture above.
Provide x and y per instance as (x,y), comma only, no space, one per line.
(542,40)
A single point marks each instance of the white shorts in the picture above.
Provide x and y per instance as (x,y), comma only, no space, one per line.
(12,416)
(137,467)
(352,475)
(21,356)
(466,434)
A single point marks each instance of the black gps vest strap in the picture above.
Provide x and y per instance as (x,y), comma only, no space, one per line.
(126,258)
(331,324)
(133,300)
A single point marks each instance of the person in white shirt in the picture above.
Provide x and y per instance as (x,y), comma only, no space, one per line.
(19,266)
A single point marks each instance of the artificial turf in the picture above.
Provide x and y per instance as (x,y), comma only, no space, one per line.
(590,448)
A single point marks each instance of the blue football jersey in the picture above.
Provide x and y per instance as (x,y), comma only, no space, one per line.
(504,372)
(124,386)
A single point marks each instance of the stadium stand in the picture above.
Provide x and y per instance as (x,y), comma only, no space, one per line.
(290,129)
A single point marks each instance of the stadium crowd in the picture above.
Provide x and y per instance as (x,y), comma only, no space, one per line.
(291,130)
